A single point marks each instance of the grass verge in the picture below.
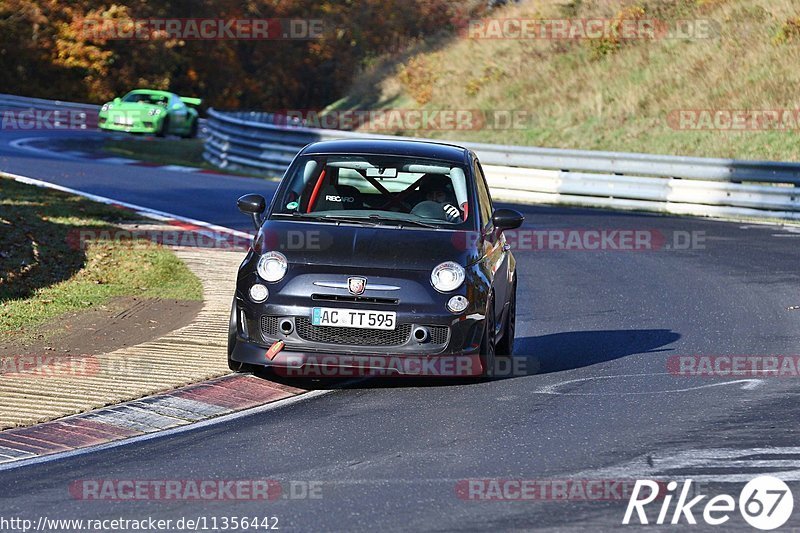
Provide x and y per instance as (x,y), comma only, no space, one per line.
(45,272)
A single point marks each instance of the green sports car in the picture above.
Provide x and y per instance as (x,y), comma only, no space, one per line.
(150,111)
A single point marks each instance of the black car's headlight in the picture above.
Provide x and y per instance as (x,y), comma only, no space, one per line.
(447,276)
(272,266)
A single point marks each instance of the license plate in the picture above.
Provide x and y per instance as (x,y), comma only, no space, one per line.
(353,318)
(122,121)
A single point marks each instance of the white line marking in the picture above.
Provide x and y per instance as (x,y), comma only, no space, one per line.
(125,419)
(168,432)
(22,144)
(144,211)
(749,384)
(14,454)
(178,168)
(192,407)
(639,467)
(771,463)
(116,160)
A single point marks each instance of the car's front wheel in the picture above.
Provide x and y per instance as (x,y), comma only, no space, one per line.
(192,133)
(164,129)
(506,345)
(488,347)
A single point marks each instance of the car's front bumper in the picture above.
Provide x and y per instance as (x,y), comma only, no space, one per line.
(136,126)
(452,347)
(291,362)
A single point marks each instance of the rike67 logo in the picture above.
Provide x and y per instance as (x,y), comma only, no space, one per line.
(765,503)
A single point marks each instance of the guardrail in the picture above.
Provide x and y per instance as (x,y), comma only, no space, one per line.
(82,115)
(669,184)
(25,102)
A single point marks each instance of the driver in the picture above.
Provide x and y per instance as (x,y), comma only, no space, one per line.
(439,189)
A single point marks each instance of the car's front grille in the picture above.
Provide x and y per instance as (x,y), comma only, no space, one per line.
(352,336)
(438,334)
(269,325)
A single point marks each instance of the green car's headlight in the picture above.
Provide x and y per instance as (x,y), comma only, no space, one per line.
(106,107)
(153,112)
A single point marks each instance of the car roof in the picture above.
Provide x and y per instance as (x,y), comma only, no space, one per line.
(423,149)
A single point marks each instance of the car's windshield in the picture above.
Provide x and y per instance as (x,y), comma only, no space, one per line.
(146,98)
(378,188)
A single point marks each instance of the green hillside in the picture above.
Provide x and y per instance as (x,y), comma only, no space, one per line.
(637,94)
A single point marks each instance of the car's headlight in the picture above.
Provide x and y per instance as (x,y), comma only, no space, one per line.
(154,112)
(272,266)
(447,277)
(258,293)
(105,107)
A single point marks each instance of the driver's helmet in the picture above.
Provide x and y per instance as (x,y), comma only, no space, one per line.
(438,188)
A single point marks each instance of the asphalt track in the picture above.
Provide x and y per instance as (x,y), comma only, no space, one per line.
(596,400)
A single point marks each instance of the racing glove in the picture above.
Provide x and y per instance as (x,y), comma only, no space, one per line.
(452,213)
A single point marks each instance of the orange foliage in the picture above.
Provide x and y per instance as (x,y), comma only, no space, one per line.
(46,50)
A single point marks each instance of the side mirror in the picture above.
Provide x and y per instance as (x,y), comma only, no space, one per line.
(504,219)
(253,205)
(117,100)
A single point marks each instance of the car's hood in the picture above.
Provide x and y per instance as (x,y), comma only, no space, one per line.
(366,246)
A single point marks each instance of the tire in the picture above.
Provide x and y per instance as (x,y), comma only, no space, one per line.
(192,131)
(164,130)
(488,347)
(505,347)
(235,366)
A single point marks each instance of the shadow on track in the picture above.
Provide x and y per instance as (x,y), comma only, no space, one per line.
(575,349)
(545,354)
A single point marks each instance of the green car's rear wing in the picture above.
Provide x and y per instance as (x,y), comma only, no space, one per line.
(191,101)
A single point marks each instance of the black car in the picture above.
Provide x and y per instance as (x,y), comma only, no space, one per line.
(376,256)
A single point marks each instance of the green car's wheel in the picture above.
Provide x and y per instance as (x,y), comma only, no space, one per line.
(192,130)
(164,130)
